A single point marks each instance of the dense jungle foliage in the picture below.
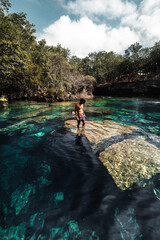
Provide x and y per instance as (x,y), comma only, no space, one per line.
(29,68)
(32,69)
(109,67)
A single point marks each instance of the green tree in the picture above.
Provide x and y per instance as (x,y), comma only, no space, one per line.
(59,50)
(17,70)
(154,62)
(133,54)
(101,65)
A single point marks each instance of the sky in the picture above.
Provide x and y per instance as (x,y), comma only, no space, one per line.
(86,26)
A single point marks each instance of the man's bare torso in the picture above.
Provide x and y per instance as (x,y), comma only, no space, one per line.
(79,109)
(80,113)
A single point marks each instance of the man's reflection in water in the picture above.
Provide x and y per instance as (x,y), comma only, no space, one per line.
(80,134)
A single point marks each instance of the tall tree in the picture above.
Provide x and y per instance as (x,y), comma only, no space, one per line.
(17,70)
(133,54)
(155,58)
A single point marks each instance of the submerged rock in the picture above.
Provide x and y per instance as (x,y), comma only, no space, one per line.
(131,160)
(25,123)
(33,113)
(99,110)
(96,131)
(127,224)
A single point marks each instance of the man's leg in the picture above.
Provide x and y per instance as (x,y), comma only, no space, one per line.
(83,123)
(78,123)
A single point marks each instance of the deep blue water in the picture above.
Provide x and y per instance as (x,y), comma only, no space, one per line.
(52,186)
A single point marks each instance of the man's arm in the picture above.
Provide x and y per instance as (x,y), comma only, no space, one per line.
(76,111)
(84,113)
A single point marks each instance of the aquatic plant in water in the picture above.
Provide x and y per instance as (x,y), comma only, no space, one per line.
(58,197)
(154,115)
(45,171)
(129,229)
(13,233)
(71,231)
(20,198)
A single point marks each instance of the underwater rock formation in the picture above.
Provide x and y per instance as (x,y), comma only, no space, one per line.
(127,224)
(131,160)
(96,131)
(25,123)
(33,113)
(99,111)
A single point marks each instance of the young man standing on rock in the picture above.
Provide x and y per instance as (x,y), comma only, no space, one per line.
(80,113)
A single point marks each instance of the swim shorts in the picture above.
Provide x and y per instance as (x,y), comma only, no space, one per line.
(81,117)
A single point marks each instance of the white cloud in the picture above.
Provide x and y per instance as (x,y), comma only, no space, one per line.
(84,36)
(148,7)
(119,39)
(110,8)
(145,22)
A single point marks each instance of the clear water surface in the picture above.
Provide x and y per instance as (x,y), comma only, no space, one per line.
(52,185)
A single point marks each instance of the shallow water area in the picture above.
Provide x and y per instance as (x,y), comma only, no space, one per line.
(53,184)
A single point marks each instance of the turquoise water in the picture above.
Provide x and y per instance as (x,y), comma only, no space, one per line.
(53,186)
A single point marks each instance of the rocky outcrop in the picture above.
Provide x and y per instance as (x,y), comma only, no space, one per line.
(129,160)
(129,89)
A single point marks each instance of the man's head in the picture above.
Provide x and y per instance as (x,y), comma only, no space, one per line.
(82,101)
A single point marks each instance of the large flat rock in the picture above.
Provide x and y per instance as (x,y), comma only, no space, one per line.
(96,131)
(131,160)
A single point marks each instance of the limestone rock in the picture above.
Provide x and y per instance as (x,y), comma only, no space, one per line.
(131,160)
(96,131)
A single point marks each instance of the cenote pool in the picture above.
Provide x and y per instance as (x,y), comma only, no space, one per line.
(97,183)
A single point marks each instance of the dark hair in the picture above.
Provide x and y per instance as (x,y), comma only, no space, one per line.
(82,101)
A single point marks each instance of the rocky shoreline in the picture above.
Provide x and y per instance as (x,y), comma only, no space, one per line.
(130,89)
(44,98)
